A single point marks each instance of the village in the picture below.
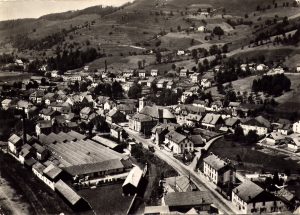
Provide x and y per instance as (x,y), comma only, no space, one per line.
(152,109)
(76,134)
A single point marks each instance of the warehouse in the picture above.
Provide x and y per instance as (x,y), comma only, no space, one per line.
(84,158)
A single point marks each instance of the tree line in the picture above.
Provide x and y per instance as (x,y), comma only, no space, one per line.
(272,84)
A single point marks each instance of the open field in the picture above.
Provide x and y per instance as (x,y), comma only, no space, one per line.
(254,159)
(118,63)
(107,199)
(13,76)
(290,101)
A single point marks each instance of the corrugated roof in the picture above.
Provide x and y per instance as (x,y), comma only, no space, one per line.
(76,135)
(94,167)
(105,142)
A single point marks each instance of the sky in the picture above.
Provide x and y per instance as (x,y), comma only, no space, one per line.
(16,9)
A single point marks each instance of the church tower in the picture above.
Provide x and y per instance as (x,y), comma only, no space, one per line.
(142,103)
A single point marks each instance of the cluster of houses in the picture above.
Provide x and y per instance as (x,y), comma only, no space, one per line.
(246,196)
(59,151)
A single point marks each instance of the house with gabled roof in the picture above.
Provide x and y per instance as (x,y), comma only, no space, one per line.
(159,132)
(250,198)
(43,127)
(179,184)
(193,120)
(217,170)
(212,120)
(48,114)
(37,96)
(115,116)
(154,72)
(6,104)
(142,123)
(178,143)
(161,114)
(185,201)
(293,142)
(258,124)
(14,144)
(85,113)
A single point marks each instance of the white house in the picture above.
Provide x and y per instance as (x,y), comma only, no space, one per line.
(6,103)
(250,198)
(178,143)
(254,125)
(217,170)
(71,78)
(294,143)
(261,67)
(180,52)
(183,73)
(14,144)
(154,72)
(54,74)
(195,78)
(161,83)
(296,127)
(142,73)
(185,95)
(202,28)
(205,83)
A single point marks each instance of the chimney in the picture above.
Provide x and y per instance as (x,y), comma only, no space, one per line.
(24,125)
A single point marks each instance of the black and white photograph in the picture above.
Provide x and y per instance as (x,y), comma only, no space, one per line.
(149,107)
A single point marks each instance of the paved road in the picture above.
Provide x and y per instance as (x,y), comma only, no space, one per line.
(194,163)
(199,180)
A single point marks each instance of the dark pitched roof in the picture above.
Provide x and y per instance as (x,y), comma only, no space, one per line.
(141,117)
(94,167)
(188,198)
(215,162)
(251,192)
(176,137)
(157,112)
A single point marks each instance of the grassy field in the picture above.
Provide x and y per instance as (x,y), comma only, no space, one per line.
(290,101)
(254,160)
(13,76)
(118,63)
(107,199)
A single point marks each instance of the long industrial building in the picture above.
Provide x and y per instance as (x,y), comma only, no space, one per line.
(81,157)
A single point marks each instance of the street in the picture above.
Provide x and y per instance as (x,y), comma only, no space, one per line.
(199,180)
